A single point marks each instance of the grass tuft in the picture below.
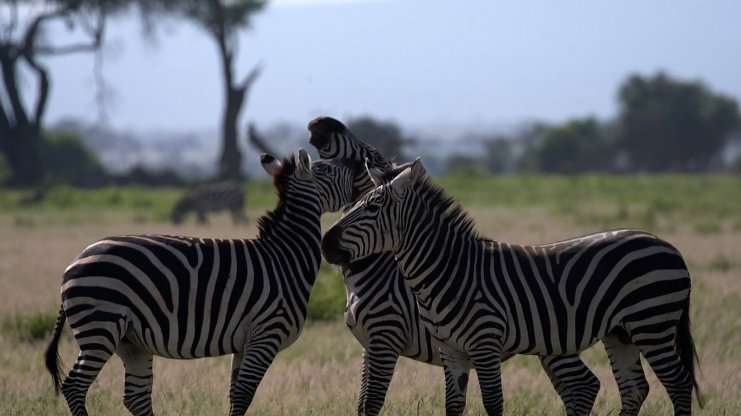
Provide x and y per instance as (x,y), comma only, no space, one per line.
(30,328)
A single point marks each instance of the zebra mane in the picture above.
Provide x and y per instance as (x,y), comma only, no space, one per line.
(444,209)
(281,179)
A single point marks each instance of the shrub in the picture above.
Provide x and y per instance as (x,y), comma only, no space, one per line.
(68,160)
(29,328)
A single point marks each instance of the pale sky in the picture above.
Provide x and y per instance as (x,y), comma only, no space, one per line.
(410,61)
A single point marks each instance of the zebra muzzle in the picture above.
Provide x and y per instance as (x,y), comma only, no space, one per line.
(331,248)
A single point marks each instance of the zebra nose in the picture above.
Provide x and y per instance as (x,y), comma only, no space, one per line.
(331,247)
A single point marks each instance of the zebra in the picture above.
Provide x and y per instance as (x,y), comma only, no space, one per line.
(187,297)
(382,313)
(211,197)
(487,299)
(333,140)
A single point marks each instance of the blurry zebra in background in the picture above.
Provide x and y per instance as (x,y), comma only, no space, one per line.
(488,299)
(382,312)
(210,198)
(185,297)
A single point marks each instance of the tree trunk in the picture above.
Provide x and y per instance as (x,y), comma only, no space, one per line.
(21,149)
(20,135)
(231,157)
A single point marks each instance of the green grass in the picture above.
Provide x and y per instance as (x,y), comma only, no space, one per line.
(652,202)
(144,204)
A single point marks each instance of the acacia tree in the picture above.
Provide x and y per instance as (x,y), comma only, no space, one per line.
(22,44)
(222,20)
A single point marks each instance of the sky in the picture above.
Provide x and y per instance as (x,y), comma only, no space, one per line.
(413,62)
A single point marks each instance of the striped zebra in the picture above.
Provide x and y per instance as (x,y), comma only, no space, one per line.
(185,297)
(333,140)
(209,198)
(487,299)
(382,312)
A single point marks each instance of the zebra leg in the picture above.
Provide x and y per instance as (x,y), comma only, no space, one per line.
(574,382)
(201,217)
(97,344)
(456,370)
(625,359)
(659,351)
(238,216)
(236,363)
(379,361)
(256,358)
(138,384)
(487,362)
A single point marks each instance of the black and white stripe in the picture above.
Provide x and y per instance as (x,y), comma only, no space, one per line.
(185,297)
(333,140)
(382,312)
(212,197)
(487,299)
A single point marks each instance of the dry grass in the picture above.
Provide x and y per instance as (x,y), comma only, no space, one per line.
(320,373)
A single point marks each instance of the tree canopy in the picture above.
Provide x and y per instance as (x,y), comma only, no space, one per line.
(580,145)
(665,124)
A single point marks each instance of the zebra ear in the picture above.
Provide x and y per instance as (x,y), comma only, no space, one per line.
(304,165)
(269,163)
(408,176)
(418,171)
(375,174)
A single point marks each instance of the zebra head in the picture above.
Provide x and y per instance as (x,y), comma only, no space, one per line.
(374,223)
(338,181)
(333,140)
(184,205)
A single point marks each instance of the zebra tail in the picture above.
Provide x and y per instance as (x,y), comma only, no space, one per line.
(51,355)
(685,346)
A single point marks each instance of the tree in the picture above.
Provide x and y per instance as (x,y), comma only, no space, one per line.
(578,146)
(664,124)
(221,20)
(384,136)
(21,47)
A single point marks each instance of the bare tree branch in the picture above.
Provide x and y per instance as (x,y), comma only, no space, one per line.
(251,76)
(254,138)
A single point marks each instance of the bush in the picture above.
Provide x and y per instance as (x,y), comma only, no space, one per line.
(67,160)
(328,296)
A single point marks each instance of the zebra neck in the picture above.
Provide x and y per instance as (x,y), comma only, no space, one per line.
(294,229)
(432,257)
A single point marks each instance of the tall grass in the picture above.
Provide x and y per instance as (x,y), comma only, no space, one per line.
(320,373)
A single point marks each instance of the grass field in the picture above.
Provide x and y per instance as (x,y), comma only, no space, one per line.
(320,373)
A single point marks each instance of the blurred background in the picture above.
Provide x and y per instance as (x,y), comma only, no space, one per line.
(96,93)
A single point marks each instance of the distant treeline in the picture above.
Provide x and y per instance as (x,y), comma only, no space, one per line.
(663,125)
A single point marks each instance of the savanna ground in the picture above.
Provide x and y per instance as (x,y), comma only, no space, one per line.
(320,373)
